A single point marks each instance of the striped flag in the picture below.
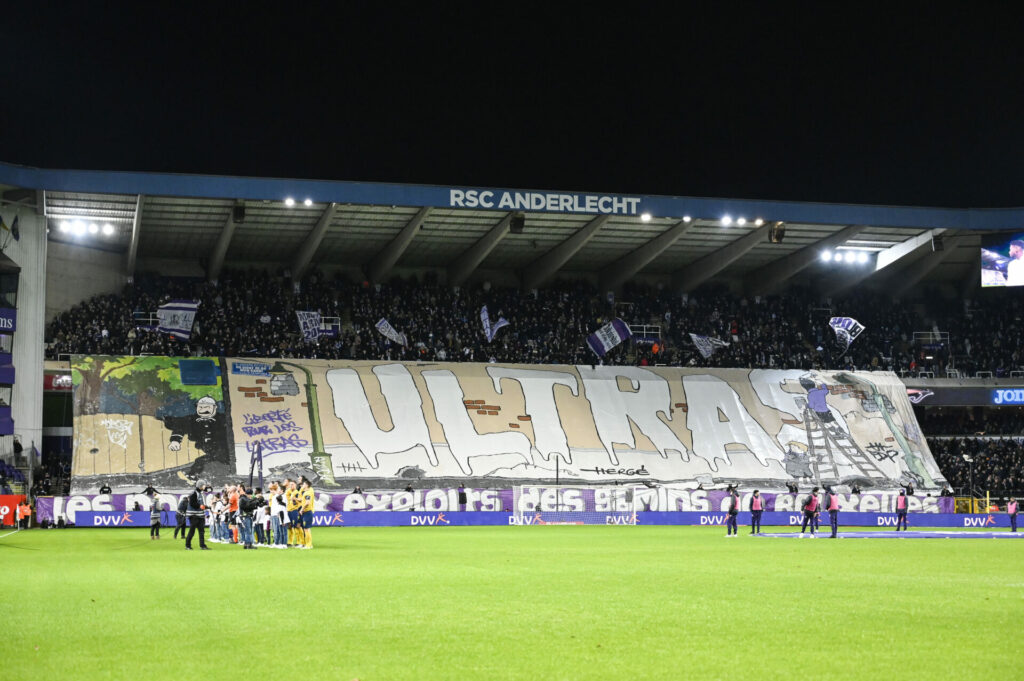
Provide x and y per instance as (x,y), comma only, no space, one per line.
(489,330)
(176,318)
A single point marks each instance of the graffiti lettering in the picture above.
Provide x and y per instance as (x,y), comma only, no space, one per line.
(272,416)
(278,444)
(118,431)
(617,471)
(881,452)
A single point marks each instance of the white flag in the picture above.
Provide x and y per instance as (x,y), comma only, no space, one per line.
(707,345)
(177,317)
(608,336)
(309,324)
(389,331)
(847,329)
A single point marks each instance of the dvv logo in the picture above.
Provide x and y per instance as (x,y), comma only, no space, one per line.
(1008,396)
(99,520)
(979,522)
(434,519)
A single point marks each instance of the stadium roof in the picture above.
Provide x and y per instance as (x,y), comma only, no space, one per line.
(378,226)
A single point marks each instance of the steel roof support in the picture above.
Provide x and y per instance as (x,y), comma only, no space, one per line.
(696,273)
(553,260)
(770,278)
(380,266)
(221,249)
(304,255)
(884,259)
(133,245)
(620,271)
(912,275)
(466,264)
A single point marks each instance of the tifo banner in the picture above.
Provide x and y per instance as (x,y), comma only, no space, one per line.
(134,418)
(531,499)
(488,423)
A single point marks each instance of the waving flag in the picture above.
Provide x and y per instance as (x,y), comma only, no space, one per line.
(389,332)
(608,336)
(847,329)
(706,345)
(491,331)
(309,324)
(176,318)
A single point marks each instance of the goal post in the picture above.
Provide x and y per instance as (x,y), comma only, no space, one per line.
(573,505)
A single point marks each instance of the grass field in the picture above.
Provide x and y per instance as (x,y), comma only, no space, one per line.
(511,603)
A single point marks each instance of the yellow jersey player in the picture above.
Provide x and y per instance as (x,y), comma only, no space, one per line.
(292,500)
(306,499)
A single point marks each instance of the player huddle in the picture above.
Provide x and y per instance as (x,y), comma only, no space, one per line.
(282,518)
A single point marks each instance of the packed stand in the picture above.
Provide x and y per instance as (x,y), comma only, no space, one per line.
(962,421)
(253,314)
(997,463)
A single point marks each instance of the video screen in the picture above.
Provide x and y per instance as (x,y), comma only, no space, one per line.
(1002,260)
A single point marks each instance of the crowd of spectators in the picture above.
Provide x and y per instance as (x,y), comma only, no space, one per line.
(253,314)
(962,421)
(997,464)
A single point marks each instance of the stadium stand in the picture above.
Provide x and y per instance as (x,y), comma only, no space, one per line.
(253,314)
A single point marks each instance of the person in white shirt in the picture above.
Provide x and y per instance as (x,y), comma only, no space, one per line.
(278,517)
(218,520)
(1015,268)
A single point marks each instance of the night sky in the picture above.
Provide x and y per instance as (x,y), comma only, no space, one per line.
(774,101)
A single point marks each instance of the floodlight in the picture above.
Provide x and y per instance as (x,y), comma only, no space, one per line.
(645,217)
(65,226)
(741,221)
(93,228)
(686,218)
(78,227)
(108,229)
(850,256)
(862,258)
(759,222)
(726,220)
(826,256)
(308,202)
(289,202)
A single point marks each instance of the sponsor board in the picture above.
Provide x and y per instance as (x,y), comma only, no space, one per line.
(140,519)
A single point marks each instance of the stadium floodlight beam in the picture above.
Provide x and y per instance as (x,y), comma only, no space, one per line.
(93,228)
(826,256)
(862,258)
(741,221)
(645,217)
(726,220)
(758,222)
(65,226)
(108,229)
(850,256)
(289,202)
(686,218)
(78,227)
(307,203)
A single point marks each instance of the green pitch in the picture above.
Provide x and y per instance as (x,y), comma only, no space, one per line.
(537,603)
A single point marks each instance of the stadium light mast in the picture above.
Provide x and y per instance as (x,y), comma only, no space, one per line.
(319,458)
